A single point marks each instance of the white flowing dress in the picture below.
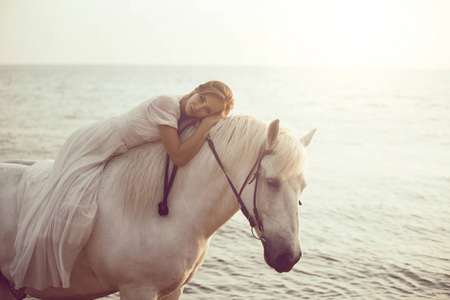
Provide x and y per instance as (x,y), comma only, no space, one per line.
(56,220)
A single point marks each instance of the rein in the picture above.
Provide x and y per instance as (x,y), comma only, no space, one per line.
(257,168)
(163,209)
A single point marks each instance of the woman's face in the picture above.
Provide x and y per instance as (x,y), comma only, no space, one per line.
(200,106)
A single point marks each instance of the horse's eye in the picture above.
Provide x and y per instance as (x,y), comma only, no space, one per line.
(273,183)
(300,202)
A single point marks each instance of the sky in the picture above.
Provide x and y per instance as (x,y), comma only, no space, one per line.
(312,33)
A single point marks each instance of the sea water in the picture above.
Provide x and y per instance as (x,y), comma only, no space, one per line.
(375,217)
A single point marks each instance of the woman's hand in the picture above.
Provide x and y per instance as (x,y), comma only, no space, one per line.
(210,121)
(182,152)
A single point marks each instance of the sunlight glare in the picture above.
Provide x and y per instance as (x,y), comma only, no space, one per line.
(353,33)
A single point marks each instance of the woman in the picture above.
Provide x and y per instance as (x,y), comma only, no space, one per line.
(56,224)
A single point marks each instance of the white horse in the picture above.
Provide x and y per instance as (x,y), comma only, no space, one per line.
(142,255)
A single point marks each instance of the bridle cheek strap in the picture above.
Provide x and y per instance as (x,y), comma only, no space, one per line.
(241,204)
(247,180)
(256,178)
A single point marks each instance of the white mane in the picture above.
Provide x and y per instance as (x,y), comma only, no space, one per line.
(237,139)
(242,137)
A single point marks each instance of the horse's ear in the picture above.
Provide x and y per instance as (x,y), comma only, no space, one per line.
(272,135)
(307,138)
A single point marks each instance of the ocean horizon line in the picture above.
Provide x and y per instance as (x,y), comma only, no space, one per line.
(253,66)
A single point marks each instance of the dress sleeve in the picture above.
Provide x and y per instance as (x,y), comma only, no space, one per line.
(164,110)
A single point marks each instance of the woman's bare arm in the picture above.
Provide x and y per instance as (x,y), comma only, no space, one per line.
(182,152)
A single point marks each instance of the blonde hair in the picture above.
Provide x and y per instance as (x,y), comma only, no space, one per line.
(218,88)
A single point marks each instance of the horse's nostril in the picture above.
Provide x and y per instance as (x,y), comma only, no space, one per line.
(286,257)
(284,262)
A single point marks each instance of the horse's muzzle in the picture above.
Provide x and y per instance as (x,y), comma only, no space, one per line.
(281,259)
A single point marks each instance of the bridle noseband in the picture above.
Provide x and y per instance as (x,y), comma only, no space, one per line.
(248,180)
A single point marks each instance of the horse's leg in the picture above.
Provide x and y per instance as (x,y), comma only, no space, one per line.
(175,295)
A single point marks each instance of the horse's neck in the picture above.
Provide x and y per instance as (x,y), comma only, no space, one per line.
(237,149)
(206,199)
(200,197)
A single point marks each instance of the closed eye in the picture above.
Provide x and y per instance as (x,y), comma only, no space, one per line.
(275,183)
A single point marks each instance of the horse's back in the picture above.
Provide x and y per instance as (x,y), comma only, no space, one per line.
(21,162)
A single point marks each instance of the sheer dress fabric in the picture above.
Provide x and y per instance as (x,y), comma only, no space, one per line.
(58,204)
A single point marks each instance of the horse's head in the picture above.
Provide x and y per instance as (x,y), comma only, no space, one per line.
(280,183)
(270,198)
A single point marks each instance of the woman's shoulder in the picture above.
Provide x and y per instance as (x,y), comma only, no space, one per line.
(163,109)
(166,99)
(162,101)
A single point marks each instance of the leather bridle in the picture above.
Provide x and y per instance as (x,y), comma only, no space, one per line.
(253,175)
